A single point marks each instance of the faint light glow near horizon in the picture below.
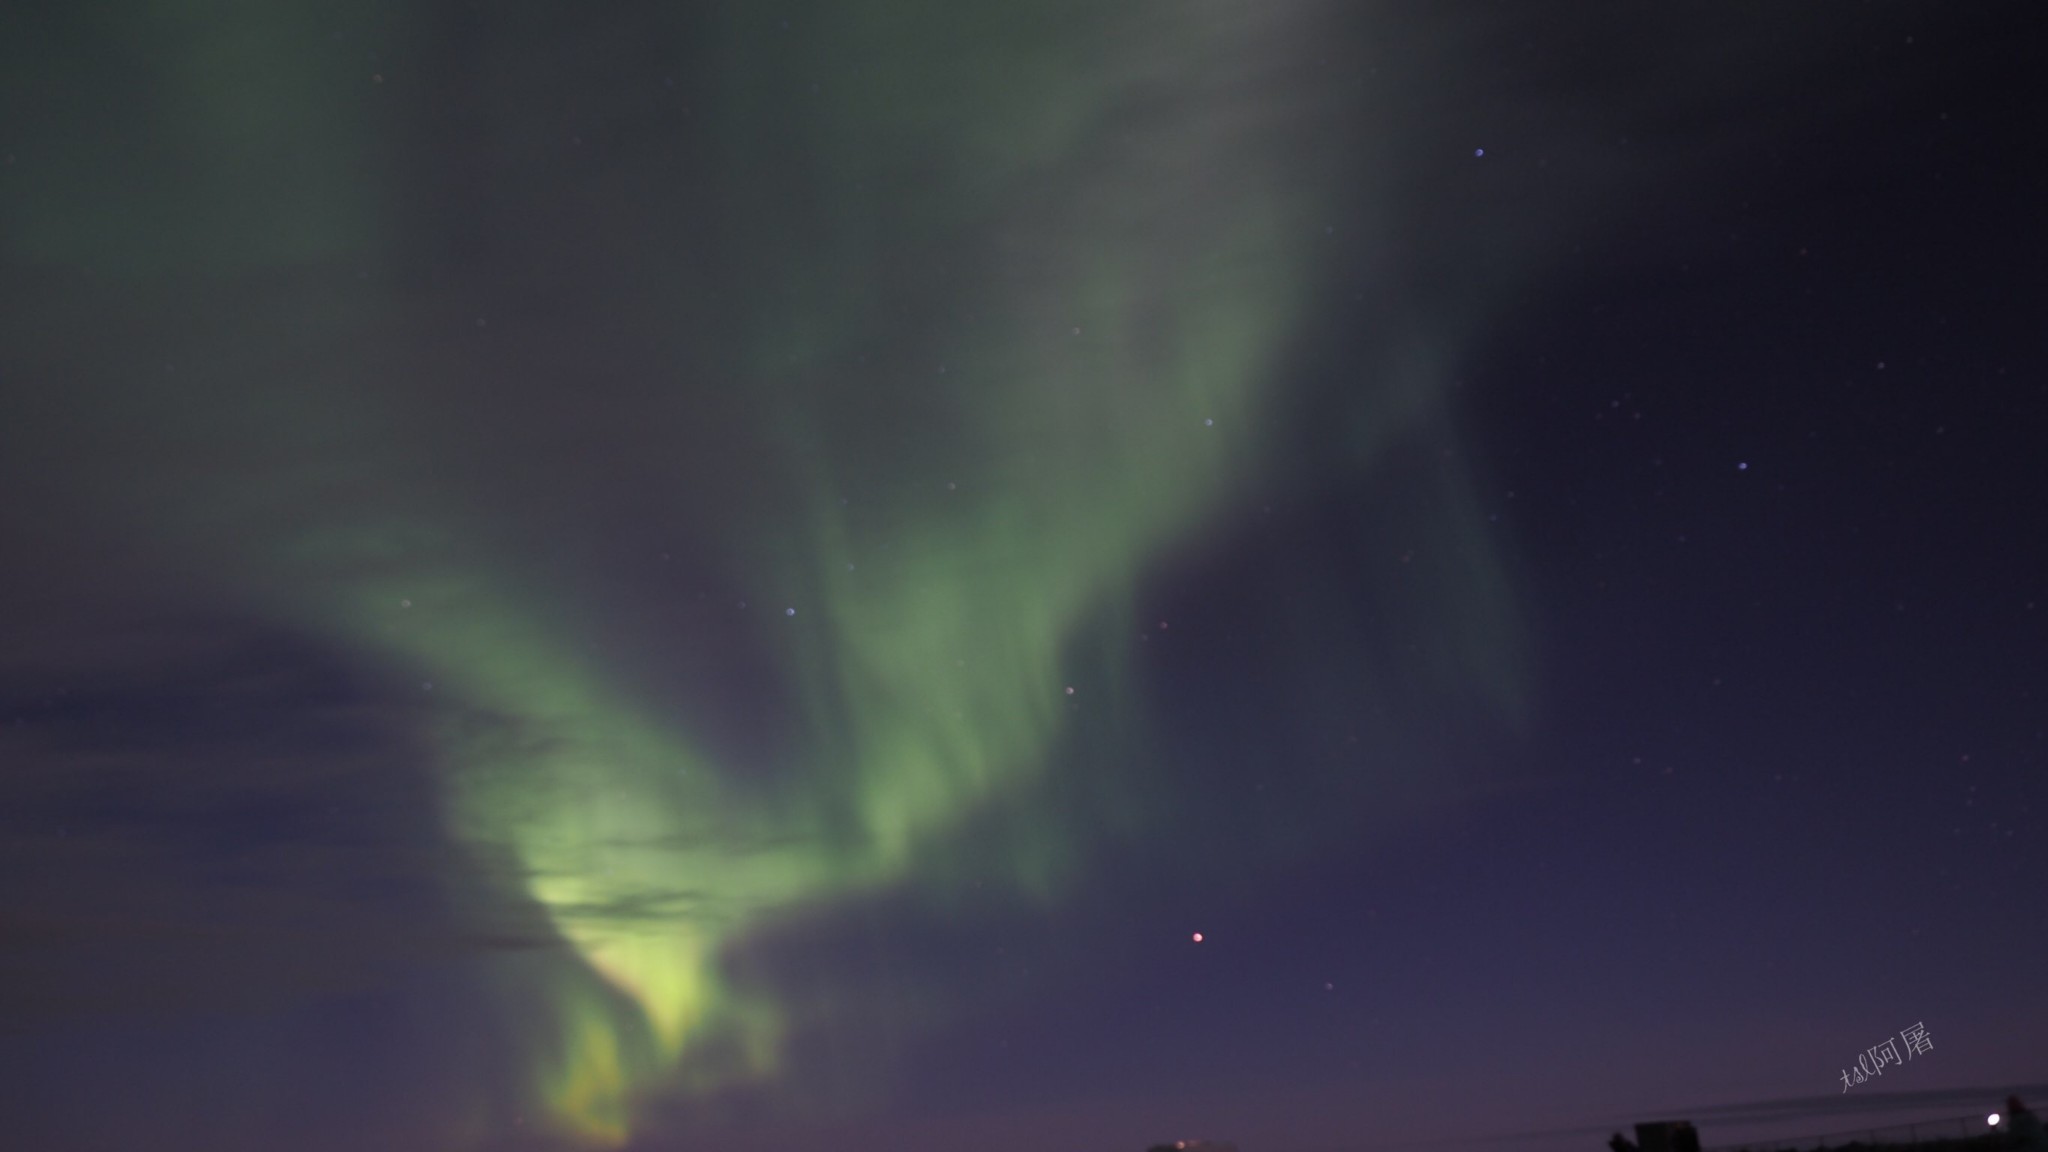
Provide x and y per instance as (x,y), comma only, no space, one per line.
(1198,937)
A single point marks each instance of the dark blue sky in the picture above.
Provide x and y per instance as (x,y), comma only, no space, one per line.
(1520,525)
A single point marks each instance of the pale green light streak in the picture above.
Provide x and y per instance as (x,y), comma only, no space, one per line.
(1126,183)
(932,671)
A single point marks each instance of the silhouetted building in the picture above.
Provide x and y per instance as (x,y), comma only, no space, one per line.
(1668,1136)
(2023,1125)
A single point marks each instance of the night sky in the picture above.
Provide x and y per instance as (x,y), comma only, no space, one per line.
(1054,575)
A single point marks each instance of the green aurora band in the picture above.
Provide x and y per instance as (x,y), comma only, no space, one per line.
(1114,220)
(932,684)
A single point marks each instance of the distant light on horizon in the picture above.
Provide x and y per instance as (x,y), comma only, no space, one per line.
(1198,937)
(1992,1119)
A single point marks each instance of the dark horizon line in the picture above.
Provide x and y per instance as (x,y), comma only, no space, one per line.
(1760,1112)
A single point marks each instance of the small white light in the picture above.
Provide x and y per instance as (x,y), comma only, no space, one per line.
(1198,937)
(1992,1119)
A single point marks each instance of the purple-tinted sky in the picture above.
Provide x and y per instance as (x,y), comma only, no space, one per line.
(710,577)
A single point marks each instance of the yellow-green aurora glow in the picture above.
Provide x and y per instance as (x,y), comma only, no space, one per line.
(1127,324)
(961,345)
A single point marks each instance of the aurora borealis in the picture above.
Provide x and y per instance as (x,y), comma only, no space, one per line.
(654,577)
